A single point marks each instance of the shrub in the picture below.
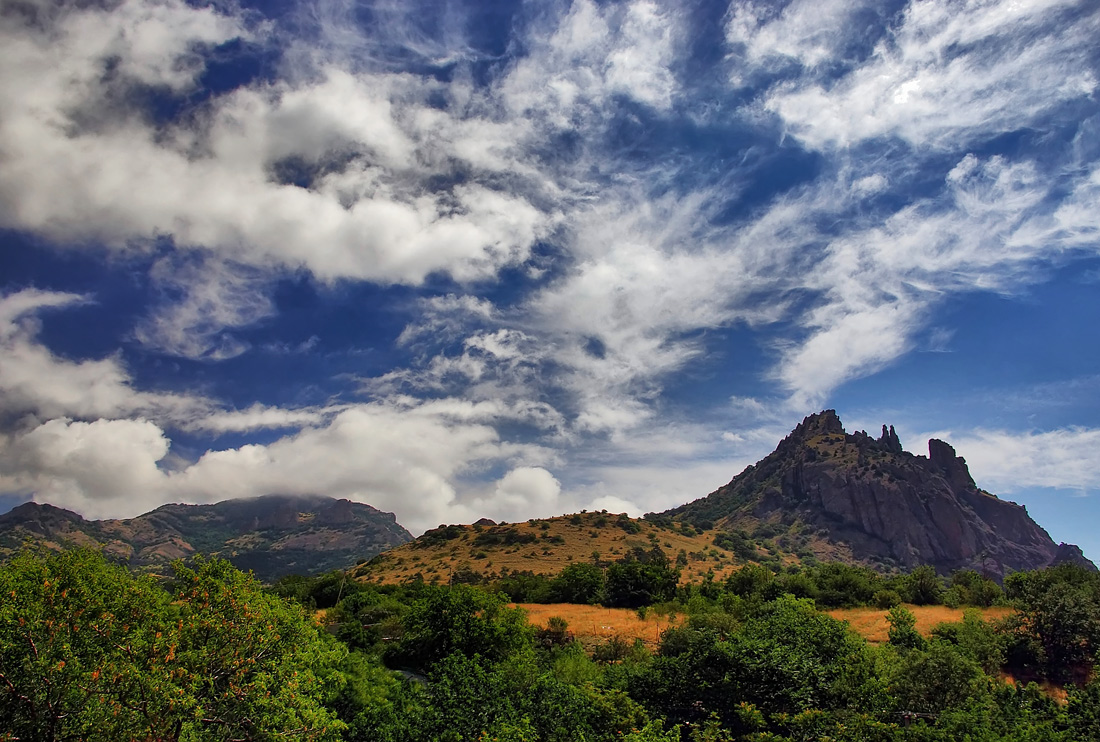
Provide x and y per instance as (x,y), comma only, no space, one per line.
(887,599)
(902,632)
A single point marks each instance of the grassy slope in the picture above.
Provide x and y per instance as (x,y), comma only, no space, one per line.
(550,544)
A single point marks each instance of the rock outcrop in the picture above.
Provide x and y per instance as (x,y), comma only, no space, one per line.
(273,535)
(881,504)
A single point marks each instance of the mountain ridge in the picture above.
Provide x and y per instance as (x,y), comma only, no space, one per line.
(272,535)
(885,505)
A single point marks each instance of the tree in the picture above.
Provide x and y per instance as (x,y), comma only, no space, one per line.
(976,639)
(903,633)
(580,583)
(253,664)
(79,639)
(923,586)
(640,578)
(1059,607)
(89,651)
(786,659)
(935,679)
(752,579)
(462,620)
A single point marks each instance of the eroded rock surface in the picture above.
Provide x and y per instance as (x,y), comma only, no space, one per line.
(882,504)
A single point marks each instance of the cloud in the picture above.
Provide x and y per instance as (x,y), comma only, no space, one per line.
(590,248)
(591,54)
(199,304)
(1009,461)
(34,380)
(522,493)
(808,33)
(330,172)
(104,467)
(408,460)
(944,76)
(259,417)
(880,280)
(335,169)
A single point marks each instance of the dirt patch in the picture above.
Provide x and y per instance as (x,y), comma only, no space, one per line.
(870,623)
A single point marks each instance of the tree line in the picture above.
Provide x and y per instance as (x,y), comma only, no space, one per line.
(91,651)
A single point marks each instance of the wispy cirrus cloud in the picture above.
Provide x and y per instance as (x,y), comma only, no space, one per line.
(945,75)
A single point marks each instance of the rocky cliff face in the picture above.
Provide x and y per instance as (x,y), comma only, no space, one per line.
(274,535)
(882,504)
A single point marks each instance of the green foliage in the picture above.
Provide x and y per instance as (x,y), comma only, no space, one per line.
(88,651)
(937,678)
(975,640)
(504,536)
(64,621)
(556,634)
(366,617)
(976,590)
(902,633)
(252,662)
(628,524)
(653,732)
(1083,711)
(640,578)
(580,583)
(573,665)
(526,587)
(887,599)
(923,586)
(439,535)
(459,620)
(844,585)
(1059,610)
(749,581)
(785,659)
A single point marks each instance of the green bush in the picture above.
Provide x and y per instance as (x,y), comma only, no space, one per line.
(886,599)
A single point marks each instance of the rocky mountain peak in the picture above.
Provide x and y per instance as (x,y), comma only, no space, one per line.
(825,422)
(869,499)
(890,441)
(954,468)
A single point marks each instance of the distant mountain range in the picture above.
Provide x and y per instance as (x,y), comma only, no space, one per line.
(273,535)
(866,499)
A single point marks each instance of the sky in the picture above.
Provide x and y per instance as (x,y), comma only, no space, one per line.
(479,258)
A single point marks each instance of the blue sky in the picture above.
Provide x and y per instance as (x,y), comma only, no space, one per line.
(505,259)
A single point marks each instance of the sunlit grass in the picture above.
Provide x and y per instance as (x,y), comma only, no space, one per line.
(870,623)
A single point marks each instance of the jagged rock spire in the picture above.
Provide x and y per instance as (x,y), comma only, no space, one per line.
(954,468)
(889,440)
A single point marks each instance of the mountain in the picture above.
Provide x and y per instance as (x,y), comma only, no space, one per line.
(855,497)
(274,535)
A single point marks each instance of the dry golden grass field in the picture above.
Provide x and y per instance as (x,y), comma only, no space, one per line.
(870,623)
(591,623)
